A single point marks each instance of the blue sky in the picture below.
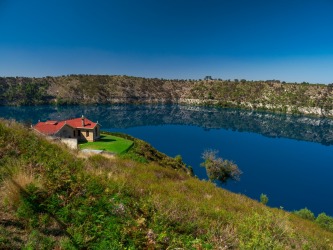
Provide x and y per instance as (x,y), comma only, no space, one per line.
(252,39)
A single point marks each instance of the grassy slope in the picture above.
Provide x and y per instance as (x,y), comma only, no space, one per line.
(109,143)
(57,199)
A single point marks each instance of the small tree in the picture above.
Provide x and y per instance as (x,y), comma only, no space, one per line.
(219,169)
(264,199)
(179,159)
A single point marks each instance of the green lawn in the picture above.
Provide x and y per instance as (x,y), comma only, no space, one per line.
(109,143)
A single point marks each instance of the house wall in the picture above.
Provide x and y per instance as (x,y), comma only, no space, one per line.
(86,135)
(97,132)
(70,142)
(65,132)
(92,135)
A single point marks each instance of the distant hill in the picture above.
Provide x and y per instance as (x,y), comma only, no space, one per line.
(276,96)
(52,199)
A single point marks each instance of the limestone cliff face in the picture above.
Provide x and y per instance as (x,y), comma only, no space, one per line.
(309,99)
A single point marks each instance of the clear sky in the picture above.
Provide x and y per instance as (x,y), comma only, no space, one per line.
(290,40)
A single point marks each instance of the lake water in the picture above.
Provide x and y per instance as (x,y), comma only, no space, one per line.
(288,158)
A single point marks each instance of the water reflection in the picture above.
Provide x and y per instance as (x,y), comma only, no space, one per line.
(319,130)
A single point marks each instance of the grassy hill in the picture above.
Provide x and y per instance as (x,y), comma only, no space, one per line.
(50,198)
(309,99)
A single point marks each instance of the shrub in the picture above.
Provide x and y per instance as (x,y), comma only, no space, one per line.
(219,169)
(325,221)
(179,159)
(305,214)
(264,199)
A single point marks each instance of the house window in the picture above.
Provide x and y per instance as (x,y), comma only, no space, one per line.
(73,133)
(78,133)
(87,133)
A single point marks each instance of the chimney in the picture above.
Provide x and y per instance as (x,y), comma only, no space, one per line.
(82,119)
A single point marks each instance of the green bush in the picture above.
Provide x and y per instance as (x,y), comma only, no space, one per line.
(325,221)
(264,199)
(219,169)
(305,214)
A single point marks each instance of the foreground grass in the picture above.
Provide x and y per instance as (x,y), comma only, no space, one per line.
(52,199)
(108,143)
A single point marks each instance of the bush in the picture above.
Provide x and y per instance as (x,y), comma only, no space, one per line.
(264,199)
(305,214)
(325,221)
(179,159)
(219,169)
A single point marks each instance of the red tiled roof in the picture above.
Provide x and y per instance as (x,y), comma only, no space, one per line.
(77,123)
(51,122)
(52,127)
(49,128)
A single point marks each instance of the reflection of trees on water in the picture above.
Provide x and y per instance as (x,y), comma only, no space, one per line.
(124,116)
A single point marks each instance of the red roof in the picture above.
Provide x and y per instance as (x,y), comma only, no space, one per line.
(52,127)
(49,128)
(51,122)
(77,123)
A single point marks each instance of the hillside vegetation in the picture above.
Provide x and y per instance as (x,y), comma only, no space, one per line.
(52,199)
(309,99)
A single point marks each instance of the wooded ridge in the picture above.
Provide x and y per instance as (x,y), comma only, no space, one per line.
(273,95)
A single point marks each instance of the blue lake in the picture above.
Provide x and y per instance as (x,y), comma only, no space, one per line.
(289,158)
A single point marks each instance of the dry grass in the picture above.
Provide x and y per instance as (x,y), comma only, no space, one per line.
(12,187)
(227,220)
